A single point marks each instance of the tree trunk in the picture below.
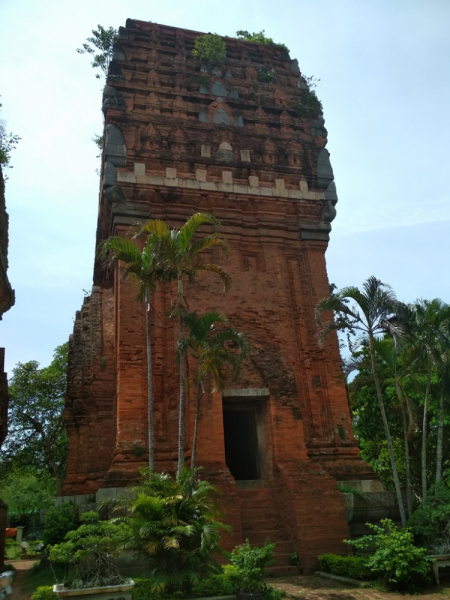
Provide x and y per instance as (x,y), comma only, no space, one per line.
(407,462)
(182,410)
(424,434)
(151,449)
(59,484)
(440,436)
(194,441)
(387,433)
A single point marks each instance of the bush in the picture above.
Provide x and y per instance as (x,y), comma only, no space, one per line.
(250,562)
(216,585)
(210,48)
(12,549)
(355,567)
(91,550)
(175,528)
(45,592)
(430,523)
(58,521)
(401,565)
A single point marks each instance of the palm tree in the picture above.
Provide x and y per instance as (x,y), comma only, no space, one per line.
(213,347)
(427,324)
(175,527)
(366,312)
(141,267)
(178,259)
(401,368)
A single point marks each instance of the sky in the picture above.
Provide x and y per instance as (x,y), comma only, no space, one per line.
(384,73)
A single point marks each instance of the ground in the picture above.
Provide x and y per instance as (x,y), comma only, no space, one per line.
(302,587)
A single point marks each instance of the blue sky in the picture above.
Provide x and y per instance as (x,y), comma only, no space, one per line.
(384,73)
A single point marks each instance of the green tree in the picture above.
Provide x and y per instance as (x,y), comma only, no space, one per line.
(26,491)
(8,143)
(101,45)
(178,257)
(427,325)
(260,38)
(175,528)
(367,313)
(214,347)
(37,435)
(141,268)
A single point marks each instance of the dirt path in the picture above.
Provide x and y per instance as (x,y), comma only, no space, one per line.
(21,566)
(318,588)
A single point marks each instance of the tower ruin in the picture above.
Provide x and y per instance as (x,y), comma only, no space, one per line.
(244,141)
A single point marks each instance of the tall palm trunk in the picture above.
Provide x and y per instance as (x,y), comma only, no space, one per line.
(182,409)
(151,450)
(407,461)
(440,436)
(387,432)
(194,441)
(424,434)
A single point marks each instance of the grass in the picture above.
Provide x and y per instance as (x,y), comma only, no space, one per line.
(45,575)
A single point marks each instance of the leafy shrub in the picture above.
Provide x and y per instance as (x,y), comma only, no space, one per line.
(58,521)
(91,550)
(345,488)
(260,38)
(251,562)
(44,592)
(310,106)
(401,565)
(266,76)
(12,549)
(210,48)
(216,585)
(175,528)
(430,522)
(355,567)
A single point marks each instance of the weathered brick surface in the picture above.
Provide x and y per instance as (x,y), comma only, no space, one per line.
(174,145)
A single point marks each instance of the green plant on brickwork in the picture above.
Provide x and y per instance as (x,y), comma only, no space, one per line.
(210,48)
(260,38)
(310,106)
(101,45)
(198,79)
(250,561)
(294,559)
(266,75)
(346,488)
(401,565)
(138,450)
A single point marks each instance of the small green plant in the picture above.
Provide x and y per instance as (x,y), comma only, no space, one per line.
(12,549)
(8,143)
(260,38)
(58,521)
(91,550)
(250,562)
(349,489)
(138,450)
(294,559)
(401,565)
(266,75)
(44,592)
(355,567)
(198,79)
(310,105)
(211,48)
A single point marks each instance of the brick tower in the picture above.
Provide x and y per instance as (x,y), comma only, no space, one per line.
(182,137)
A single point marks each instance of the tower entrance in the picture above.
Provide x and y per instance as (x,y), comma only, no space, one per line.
(243,440)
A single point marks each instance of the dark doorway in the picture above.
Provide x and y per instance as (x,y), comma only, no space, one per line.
(241,443)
